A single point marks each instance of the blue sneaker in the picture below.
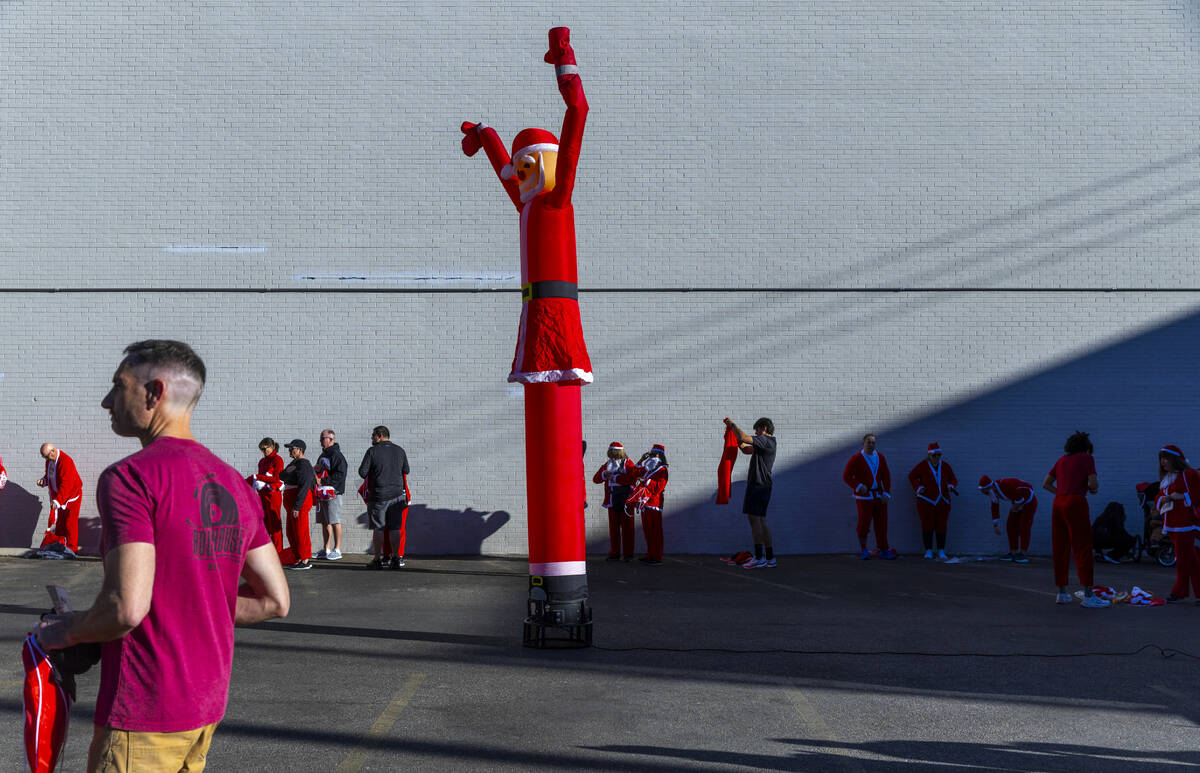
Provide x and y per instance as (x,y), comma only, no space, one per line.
(889,554)
(865,554)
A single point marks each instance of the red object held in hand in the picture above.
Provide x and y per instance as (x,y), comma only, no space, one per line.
(725,468)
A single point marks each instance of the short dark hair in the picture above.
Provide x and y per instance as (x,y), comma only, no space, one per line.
(766,425)
(869,434)
(1079,442)
(162,352)
(381,431)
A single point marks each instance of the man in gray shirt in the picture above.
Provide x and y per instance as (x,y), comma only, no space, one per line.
(761,448)
(383,467)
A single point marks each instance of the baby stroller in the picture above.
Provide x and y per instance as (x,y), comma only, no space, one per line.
(1153,542)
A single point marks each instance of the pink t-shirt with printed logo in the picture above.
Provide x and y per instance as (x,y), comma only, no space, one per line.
(171,673)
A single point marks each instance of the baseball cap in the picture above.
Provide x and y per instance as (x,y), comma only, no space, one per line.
(297,443)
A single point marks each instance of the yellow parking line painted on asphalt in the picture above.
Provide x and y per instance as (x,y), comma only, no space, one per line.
(821,731)
(383,725)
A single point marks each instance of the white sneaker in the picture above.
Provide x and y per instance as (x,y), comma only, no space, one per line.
(333,555)
(1063,598)
(942,555)
(1095,602)
(929,554)
(754,563)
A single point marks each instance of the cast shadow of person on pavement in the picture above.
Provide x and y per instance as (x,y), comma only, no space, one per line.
(435,531)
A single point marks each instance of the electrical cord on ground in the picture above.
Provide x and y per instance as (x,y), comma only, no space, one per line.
(1163,652)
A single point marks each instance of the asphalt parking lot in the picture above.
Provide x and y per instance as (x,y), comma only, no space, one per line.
(825,663)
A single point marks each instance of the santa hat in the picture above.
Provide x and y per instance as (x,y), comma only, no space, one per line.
(1143,598)
(615,446)
(527,143)
(659,447)
(985,482)
(1173,451)
(934,448)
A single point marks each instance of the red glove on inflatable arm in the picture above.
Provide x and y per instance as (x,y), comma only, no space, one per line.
(471,143)
(560,47)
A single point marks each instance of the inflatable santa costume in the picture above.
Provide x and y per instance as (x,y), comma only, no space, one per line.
(551,358)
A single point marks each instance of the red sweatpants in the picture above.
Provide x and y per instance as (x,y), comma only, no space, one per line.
(402,537)
(933,517)
(872,511)
(621,530)
(1020,526)
(653,531)
(297,525)
(64,526)
(272,501)
(1187,564)
(1071,532)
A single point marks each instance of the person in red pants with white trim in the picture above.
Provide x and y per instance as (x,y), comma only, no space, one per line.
(1020,517)
(647,498)
(1071,479)
(1181,522)
(617,474)
(933,481)
(869,479)
(66,497)
(270,489)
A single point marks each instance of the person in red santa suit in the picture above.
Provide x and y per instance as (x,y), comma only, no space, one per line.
(66,497)
(3,475)
(270,489)
(1019,525)
(933,481)
(870,481)
(617,474)
(647,498)
(1178,497)
(1071,479)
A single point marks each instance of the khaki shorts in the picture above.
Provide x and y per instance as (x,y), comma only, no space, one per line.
(129,751)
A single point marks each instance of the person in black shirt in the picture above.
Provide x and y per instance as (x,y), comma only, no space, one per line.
(329,511)
(761,449)
(299,490)
(383,467)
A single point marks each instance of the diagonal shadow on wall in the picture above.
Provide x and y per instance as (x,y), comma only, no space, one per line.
(1132,396)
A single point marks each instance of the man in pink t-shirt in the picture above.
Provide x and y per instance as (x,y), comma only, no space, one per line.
(186,557)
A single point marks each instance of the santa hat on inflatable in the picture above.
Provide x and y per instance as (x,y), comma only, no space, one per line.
(529,142)
(934,448)
(985,483)
(615,446)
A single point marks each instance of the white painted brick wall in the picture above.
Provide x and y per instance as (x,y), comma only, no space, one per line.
(833,146)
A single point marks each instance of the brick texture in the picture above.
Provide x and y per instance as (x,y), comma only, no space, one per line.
(877,208)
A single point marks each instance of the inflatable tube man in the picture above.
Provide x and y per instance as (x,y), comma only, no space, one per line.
(551,359)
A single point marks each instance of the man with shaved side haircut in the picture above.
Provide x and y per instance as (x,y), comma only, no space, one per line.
(186,557)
